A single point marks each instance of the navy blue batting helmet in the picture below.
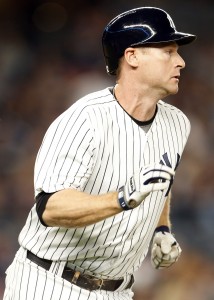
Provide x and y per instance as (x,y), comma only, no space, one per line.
(136,27)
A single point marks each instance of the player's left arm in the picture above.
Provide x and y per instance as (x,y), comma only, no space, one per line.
(165,249)
(165,215)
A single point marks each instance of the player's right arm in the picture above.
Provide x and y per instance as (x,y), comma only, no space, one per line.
(72,208)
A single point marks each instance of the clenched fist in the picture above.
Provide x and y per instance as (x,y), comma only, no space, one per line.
(165,250)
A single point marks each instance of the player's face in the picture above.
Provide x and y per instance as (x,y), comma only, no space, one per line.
(159,68)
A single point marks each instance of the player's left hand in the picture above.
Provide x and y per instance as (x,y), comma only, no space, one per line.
(165,250)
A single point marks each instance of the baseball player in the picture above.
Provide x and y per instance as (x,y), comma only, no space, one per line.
(104,173)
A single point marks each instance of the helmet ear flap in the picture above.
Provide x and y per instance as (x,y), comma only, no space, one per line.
(111,56)
(111,65)
(144,25)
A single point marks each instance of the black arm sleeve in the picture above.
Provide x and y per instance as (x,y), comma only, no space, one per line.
(41,201)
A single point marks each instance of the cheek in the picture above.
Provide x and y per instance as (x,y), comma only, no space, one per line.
(153,74)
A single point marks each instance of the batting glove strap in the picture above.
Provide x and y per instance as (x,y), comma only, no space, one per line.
(121,200)
(165,250)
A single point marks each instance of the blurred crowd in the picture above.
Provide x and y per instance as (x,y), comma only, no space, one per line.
(50,55)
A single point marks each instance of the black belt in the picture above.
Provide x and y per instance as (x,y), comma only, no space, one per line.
(82,280)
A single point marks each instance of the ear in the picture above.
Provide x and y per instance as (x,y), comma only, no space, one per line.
(130,55)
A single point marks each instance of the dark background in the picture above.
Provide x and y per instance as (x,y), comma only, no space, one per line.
(50,55)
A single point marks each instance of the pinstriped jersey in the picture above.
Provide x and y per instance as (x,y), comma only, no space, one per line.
(95,147)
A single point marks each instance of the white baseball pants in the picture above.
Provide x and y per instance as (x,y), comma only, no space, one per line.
(27,281)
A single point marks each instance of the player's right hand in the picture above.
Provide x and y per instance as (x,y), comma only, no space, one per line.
(149,179)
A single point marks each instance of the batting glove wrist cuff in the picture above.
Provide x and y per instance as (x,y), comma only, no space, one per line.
(162,228)
(121,199)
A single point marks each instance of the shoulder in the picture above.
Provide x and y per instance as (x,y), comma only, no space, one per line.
(96,98)
(172,112)
(91,101)
(83,106)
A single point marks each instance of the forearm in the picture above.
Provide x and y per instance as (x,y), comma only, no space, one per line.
(71,208)
(165,215)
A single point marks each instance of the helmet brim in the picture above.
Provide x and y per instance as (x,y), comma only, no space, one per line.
(184,38)
(179,37)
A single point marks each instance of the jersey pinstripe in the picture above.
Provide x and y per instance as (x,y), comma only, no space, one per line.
(95,147)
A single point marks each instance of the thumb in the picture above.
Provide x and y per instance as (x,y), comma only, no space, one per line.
(166,245)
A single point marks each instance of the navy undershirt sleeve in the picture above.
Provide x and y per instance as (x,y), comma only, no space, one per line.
(41,201)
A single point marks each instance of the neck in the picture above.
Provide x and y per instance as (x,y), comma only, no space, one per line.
(137,104)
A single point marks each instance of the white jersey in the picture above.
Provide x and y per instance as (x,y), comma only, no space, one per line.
(95,147)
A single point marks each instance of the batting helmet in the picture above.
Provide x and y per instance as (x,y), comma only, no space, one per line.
(136,27)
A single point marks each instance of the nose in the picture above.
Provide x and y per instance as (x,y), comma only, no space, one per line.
(180,63)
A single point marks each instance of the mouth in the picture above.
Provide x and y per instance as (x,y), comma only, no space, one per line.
(177,77)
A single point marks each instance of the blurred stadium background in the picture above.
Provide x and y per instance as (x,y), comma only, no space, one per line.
(50,55)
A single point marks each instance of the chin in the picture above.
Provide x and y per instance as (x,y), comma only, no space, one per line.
(173,91)
(168,93)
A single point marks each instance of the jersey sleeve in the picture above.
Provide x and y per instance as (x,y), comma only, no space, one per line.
(66,156)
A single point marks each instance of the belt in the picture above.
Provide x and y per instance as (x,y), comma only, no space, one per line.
(84,281)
